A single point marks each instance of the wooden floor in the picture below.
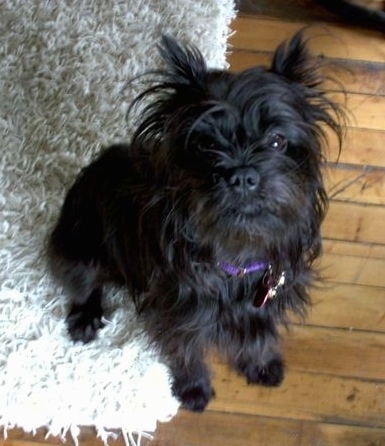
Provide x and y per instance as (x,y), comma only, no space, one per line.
(334,391)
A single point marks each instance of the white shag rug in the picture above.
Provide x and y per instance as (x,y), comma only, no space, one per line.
(63,65)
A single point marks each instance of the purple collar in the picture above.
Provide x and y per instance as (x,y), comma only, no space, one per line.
(242,271)
(270,283)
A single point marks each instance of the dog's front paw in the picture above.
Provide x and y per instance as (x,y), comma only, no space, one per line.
(82,326)
(194,396)
(270,374)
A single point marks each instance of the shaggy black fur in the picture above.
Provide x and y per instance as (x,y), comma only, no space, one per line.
(223,167)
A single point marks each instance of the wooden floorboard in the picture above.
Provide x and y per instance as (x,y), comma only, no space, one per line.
(248,430)
(335,41)
(334,390)
(359,184)
(349,307)
(355,222)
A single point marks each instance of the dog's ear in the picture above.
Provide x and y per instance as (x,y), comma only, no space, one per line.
(292,60)
(186,64)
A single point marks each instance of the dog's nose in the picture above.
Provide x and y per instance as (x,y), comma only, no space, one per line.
(244,179)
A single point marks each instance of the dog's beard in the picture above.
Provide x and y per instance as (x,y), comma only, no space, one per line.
(284,203)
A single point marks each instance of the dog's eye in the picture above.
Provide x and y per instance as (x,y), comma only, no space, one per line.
(277,142)
(206,147)
(207,152)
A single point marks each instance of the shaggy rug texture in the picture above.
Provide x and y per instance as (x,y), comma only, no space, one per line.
(64,67)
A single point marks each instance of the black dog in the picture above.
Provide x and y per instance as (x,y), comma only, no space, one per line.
(210,216)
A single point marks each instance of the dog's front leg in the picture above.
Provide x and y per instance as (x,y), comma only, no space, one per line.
(191,383)
(180,330)
(256,352)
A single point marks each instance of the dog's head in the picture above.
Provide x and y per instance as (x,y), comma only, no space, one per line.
(242,152)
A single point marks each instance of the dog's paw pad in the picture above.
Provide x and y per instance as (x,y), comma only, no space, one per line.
(83,327)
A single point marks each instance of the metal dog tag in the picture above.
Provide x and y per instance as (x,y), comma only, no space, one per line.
(268,288)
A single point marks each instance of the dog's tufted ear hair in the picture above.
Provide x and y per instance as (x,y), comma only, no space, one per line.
(185,63)
(292,60)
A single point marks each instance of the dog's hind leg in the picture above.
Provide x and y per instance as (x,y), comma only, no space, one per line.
(74,252)
(83,321)
(85,315)
(83,288)
(85,293)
